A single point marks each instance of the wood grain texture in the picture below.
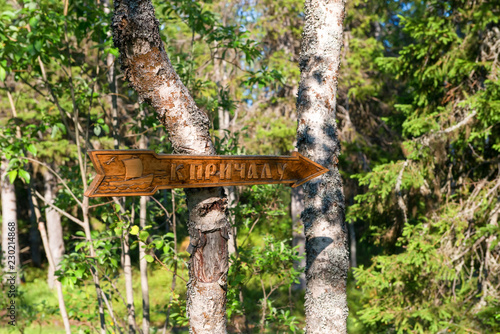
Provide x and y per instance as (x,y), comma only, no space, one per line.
(143,172)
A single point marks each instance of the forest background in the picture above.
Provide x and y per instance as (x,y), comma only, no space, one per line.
(418,117)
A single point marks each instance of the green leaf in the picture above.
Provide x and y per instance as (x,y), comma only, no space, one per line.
(38,45)
(97,130)
(143,235)
(33,21)
(65,281)
(32,149)
(79,272)
(12,175)
(149,258)
(118,230)
(134,230)
(3,74)
(24,175)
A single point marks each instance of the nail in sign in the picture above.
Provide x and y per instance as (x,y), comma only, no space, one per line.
(143,172)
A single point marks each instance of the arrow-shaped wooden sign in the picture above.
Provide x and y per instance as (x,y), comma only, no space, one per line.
(143,172)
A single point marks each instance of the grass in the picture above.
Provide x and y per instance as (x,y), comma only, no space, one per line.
(38,309)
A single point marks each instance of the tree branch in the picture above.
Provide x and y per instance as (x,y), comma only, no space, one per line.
(57,175)
(459,124)
(401,202)
(67,215)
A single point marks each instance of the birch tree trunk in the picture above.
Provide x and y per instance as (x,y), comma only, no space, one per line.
(10,245)
(323,215)
(220,76)
(129,289)
(224,121)
(353,245)
(111,77)
(50,258)
(143,263)
(54,227)
(148,69)
(35,240)
(299,239)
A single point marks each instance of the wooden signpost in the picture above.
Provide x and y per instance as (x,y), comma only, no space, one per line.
(143,172)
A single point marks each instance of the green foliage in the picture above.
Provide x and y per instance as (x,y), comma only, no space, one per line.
(14,149)
(255,266)
(418,118)
(28,313)
(435,225)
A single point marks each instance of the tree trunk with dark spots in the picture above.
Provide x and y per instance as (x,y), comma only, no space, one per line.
(149,71)
(323,215)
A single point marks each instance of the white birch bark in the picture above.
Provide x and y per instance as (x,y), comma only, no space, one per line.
(9,219)
(323,215)
(224,121)
(9,211)
(54,227)
(353,245)
(52,265)
(35,239)
(148,69)
(110,62)
(112,82)
(129,289)
(231,200)
(143,264)
(299,239)
(220,77)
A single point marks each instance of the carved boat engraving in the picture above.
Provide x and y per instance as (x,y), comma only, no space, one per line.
(133,175)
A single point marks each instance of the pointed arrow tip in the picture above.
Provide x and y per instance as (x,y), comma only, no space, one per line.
(313,170)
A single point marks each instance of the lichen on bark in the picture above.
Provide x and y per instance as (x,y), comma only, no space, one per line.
(324,212)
